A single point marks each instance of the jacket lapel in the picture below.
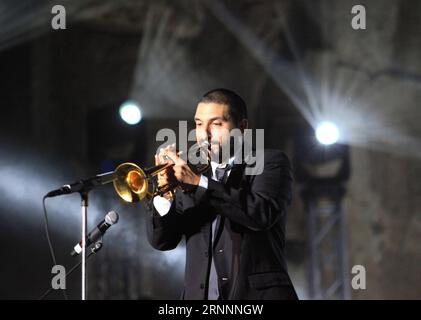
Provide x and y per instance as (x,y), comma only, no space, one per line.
(207,227)
(234,179)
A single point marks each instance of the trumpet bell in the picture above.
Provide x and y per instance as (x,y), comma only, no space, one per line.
(130,182)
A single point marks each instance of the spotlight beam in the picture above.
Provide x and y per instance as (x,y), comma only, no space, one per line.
(163,66)
(346,96)
(282,72)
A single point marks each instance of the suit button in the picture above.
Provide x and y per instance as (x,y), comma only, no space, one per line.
(202,286)
(206,254)
(220,250)
(224,279)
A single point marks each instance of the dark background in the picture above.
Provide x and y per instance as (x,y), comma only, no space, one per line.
(295,63)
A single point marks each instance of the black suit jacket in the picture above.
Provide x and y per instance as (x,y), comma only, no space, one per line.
(249,245)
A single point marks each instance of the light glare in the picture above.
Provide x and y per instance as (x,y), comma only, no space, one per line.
(130,113)
(327,133)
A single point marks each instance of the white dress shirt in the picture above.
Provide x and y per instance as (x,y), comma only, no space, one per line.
(163,205)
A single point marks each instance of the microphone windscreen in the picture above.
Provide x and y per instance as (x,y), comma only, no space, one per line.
(111,217)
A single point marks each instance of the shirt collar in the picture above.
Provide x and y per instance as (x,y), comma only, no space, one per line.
(222,165)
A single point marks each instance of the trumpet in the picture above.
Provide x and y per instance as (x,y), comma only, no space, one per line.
(133,184)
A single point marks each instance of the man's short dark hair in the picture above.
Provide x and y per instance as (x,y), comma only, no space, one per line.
(236,105)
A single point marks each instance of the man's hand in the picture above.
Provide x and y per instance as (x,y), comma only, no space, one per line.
(185,175)
(166,176)
(181,170)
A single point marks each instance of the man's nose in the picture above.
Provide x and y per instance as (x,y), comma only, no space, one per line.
(208,132)
(203,134)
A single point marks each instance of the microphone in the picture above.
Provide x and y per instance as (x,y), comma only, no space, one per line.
(110,219)
(82,185)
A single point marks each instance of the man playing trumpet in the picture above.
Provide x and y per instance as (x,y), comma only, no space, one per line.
(233,222)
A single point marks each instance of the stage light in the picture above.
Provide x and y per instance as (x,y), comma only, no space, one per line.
(327,133)
(130,112)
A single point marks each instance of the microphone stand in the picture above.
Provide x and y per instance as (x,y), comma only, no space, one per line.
(97,246)
(83,187)
(86,186)
(84,207)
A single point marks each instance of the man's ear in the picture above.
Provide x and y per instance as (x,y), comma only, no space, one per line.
(244,124)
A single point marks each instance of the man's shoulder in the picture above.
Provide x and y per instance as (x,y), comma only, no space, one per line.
(272,156)
(266,159)
(275,154)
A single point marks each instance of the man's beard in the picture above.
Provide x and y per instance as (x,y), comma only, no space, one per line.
(221,153)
